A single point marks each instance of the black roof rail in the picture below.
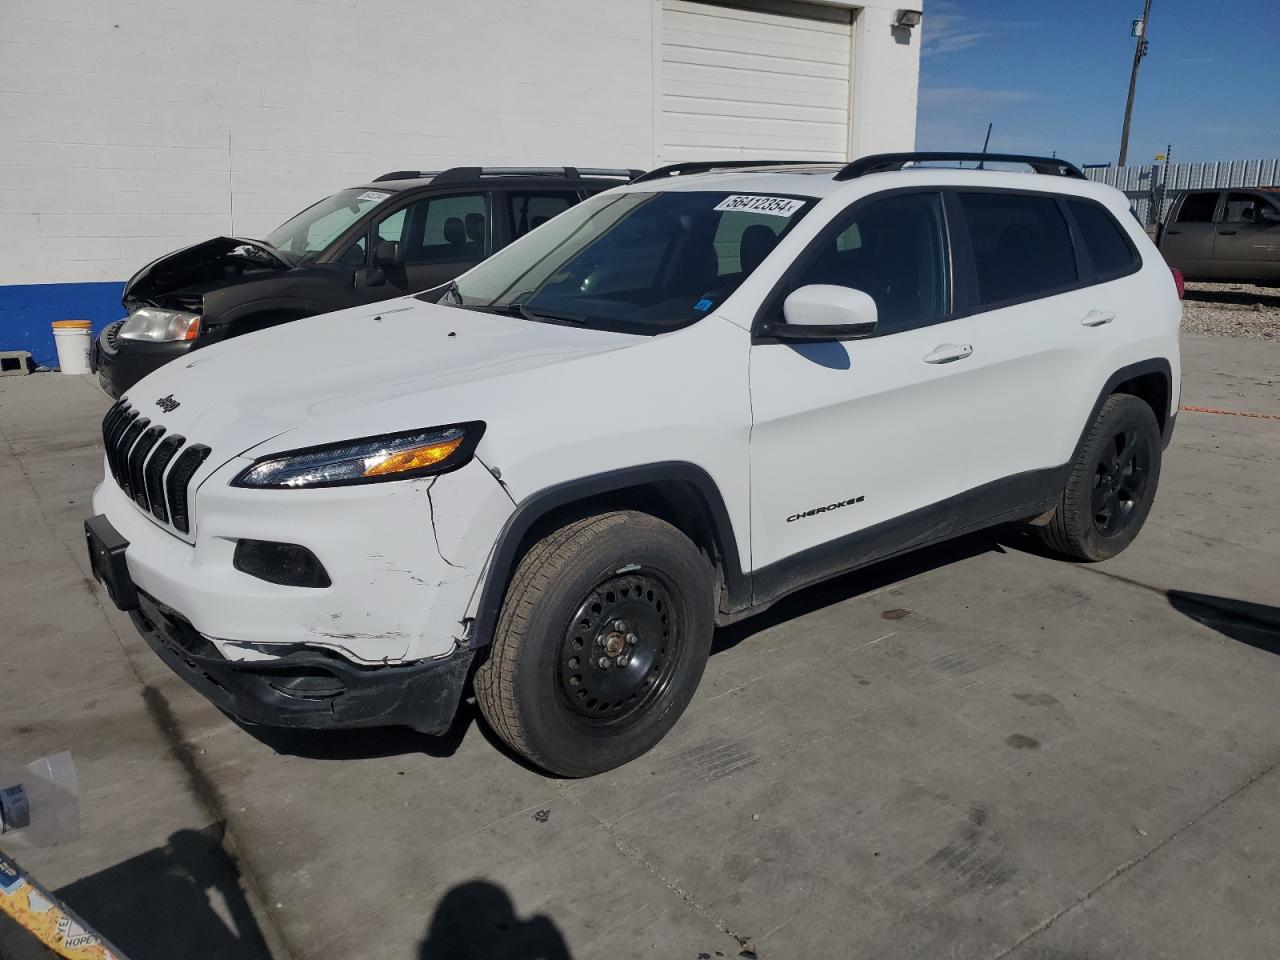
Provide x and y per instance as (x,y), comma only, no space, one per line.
(461,174)
(883,162)
(405,175)
(704,166)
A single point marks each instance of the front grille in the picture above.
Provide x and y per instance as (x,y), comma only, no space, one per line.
(112,333)
(138,455)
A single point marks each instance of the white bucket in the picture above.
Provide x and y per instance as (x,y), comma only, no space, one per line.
(71,337)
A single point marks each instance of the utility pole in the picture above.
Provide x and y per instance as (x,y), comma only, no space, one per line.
(1139,51)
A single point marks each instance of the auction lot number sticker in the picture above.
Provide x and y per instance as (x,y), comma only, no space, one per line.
(773,206)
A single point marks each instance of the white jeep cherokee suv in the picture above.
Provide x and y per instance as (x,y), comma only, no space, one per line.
(551,479)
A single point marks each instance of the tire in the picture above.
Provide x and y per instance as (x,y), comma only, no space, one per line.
(1112,483)
(622,587)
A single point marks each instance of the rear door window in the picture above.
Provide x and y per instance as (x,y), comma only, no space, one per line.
(1243,208)
(1021,245)
(1198,208)
(531,210)
(1109,249)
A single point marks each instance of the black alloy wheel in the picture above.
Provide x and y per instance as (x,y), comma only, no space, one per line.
(1120,482)
(1111,485)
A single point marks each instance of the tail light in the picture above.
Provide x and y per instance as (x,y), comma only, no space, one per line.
(1178,282)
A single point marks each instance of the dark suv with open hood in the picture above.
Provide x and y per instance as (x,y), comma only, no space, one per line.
(404,232)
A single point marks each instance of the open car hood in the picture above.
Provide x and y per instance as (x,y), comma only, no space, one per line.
(194,264)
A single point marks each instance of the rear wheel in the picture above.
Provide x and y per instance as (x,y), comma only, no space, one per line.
(601,642)
(1112,483)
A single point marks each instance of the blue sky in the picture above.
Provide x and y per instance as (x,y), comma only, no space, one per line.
(1053,76)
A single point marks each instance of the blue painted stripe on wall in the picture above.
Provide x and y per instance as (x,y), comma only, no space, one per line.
(26,310)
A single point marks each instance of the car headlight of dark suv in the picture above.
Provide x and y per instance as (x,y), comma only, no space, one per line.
(158,325)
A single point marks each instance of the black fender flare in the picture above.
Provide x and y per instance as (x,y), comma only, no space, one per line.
(539,505)
(1159,365)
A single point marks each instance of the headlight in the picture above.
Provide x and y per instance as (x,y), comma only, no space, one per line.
(161,326)
(396,456)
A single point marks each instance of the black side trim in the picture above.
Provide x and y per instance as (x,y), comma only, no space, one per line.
(534,508)
(1012,498)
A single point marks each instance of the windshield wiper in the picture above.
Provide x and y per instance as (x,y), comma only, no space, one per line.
(519,309)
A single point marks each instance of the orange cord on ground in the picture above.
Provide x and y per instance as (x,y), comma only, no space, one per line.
(1230,413)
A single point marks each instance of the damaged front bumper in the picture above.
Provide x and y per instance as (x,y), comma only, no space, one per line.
(307,688)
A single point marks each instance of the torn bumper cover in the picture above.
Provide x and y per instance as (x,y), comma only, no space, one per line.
(307,688)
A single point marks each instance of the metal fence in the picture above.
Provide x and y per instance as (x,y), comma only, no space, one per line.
(1153,188)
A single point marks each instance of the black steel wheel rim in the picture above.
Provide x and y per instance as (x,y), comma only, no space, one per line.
(619,653)
(1120,481)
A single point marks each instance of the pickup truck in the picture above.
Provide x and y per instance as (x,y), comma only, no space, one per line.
(1224,234)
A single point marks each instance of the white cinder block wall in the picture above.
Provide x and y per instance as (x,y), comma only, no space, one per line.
(129,128)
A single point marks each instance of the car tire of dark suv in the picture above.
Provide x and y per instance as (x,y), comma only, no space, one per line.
(601,642)
(1112,483)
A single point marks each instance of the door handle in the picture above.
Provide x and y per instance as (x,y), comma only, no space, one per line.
(1096,318)
(1172,233)
(1226,233)
(949,352)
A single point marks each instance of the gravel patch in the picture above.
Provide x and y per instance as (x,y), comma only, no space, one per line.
(1241,310)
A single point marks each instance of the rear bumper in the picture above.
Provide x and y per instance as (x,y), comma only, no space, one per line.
(308,689)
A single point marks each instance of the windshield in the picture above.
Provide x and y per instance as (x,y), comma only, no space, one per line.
(309,234)
(634,262)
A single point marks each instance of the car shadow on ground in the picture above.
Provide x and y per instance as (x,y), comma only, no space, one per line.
(1268,298)
(400,741)
(184,899)
(478,919)
(1255,624)
(860,582)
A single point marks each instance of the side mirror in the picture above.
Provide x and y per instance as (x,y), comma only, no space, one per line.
(1267,215)
(824,312)
(386,253)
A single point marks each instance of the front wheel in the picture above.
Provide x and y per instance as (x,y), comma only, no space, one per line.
(1112,483)
(600,644)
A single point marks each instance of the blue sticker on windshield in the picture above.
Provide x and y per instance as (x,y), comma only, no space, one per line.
(703,304)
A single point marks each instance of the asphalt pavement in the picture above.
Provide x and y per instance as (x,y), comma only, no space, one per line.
(974,752)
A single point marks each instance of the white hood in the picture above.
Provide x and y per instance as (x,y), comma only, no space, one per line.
(327,373)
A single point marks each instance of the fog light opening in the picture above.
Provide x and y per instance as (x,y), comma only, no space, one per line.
(287,564)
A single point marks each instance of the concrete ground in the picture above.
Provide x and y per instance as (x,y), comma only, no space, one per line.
(974,752)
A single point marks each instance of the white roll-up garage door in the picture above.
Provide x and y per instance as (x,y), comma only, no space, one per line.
(760,78)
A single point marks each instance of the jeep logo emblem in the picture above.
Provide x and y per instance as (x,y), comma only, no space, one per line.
(168,404)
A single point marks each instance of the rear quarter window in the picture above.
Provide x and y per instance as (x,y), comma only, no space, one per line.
(1110,250)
